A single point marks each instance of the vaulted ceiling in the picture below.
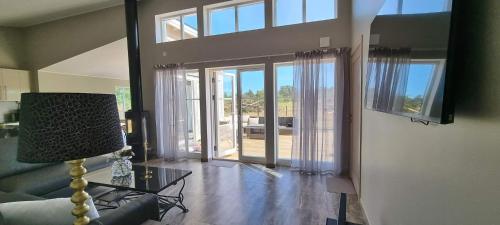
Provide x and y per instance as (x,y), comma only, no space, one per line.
(23,13)
(108,61)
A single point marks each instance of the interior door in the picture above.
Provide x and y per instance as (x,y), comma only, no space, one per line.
(356,110)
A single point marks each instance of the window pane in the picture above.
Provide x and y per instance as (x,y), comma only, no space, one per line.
(222,21)
(253,114)
(173,29)
(317,10)
(390,7)
(288,12)
(123,100)
(190,24)
(284,102)
(251,16)
(424,6)
(193,111)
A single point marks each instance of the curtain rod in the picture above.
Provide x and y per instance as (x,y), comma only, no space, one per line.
(223,60)
(414,49)
(235,59)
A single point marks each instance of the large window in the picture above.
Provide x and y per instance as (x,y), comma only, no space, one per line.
(234,16)
(123,100)
(391,7)
(177,26)
(287,12)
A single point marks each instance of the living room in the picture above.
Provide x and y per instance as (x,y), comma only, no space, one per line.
(249,112)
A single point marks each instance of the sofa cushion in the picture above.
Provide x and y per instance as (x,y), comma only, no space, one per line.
(58,212)
(46,179)
(8,159)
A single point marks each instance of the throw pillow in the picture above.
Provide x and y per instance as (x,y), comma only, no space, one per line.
(44,212)
(253,121)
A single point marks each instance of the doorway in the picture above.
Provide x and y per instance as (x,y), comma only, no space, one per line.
(239,114)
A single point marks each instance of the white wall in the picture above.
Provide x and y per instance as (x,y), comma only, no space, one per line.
(57,82)
(438,174)
(52,42)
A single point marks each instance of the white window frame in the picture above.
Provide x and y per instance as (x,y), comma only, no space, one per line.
(304,13)
(283,161)
(160,30)
(236,4)
(436,75)
(195,155)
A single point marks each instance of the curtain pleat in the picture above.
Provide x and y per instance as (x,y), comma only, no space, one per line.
(321,112)
(171,113)
(388,71)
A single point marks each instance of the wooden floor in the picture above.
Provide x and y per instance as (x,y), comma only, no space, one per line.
(249,194)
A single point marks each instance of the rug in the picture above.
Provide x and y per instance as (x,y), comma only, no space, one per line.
(222,163)
(339,185)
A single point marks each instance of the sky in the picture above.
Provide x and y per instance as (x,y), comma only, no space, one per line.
(418,79)
(290,11)
(284,75)
(254,80)
(191,21)
(250,80)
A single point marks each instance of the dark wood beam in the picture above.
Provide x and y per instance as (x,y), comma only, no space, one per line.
(135,76)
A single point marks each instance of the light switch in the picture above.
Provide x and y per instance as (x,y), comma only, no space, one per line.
(324,42)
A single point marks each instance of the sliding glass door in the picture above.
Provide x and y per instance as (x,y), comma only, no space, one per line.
(239,113)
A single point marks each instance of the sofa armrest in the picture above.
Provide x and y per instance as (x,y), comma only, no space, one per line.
(134,212)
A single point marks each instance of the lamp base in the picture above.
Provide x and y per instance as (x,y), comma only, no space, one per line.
(78,184)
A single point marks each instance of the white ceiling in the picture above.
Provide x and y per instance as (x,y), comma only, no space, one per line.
(22,13)
(108,61)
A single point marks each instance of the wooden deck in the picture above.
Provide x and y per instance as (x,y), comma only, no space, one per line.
(256,148)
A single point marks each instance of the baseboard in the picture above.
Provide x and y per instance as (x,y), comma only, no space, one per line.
(365,218)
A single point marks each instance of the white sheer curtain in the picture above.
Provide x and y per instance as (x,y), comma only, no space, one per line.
(388,71)
(321,110)
(171,112)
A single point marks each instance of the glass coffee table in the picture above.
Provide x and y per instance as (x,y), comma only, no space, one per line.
(139,182)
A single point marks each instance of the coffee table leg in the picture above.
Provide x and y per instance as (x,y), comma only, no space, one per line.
(181,197)
(173,201)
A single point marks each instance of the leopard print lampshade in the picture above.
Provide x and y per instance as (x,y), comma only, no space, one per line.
(57,127)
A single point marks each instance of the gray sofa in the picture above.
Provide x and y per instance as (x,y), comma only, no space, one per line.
(25,182)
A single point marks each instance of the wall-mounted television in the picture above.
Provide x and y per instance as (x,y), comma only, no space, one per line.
(409,65)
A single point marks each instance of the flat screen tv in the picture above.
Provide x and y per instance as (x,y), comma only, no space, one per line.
(409,65)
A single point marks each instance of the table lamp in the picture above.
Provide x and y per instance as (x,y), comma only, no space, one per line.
(58,127)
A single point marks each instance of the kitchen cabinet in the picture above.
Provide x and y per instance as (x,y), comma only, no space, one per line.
(13,83)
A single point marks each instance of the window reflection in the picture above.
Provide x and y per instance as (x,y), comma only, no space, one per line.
(392,7)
